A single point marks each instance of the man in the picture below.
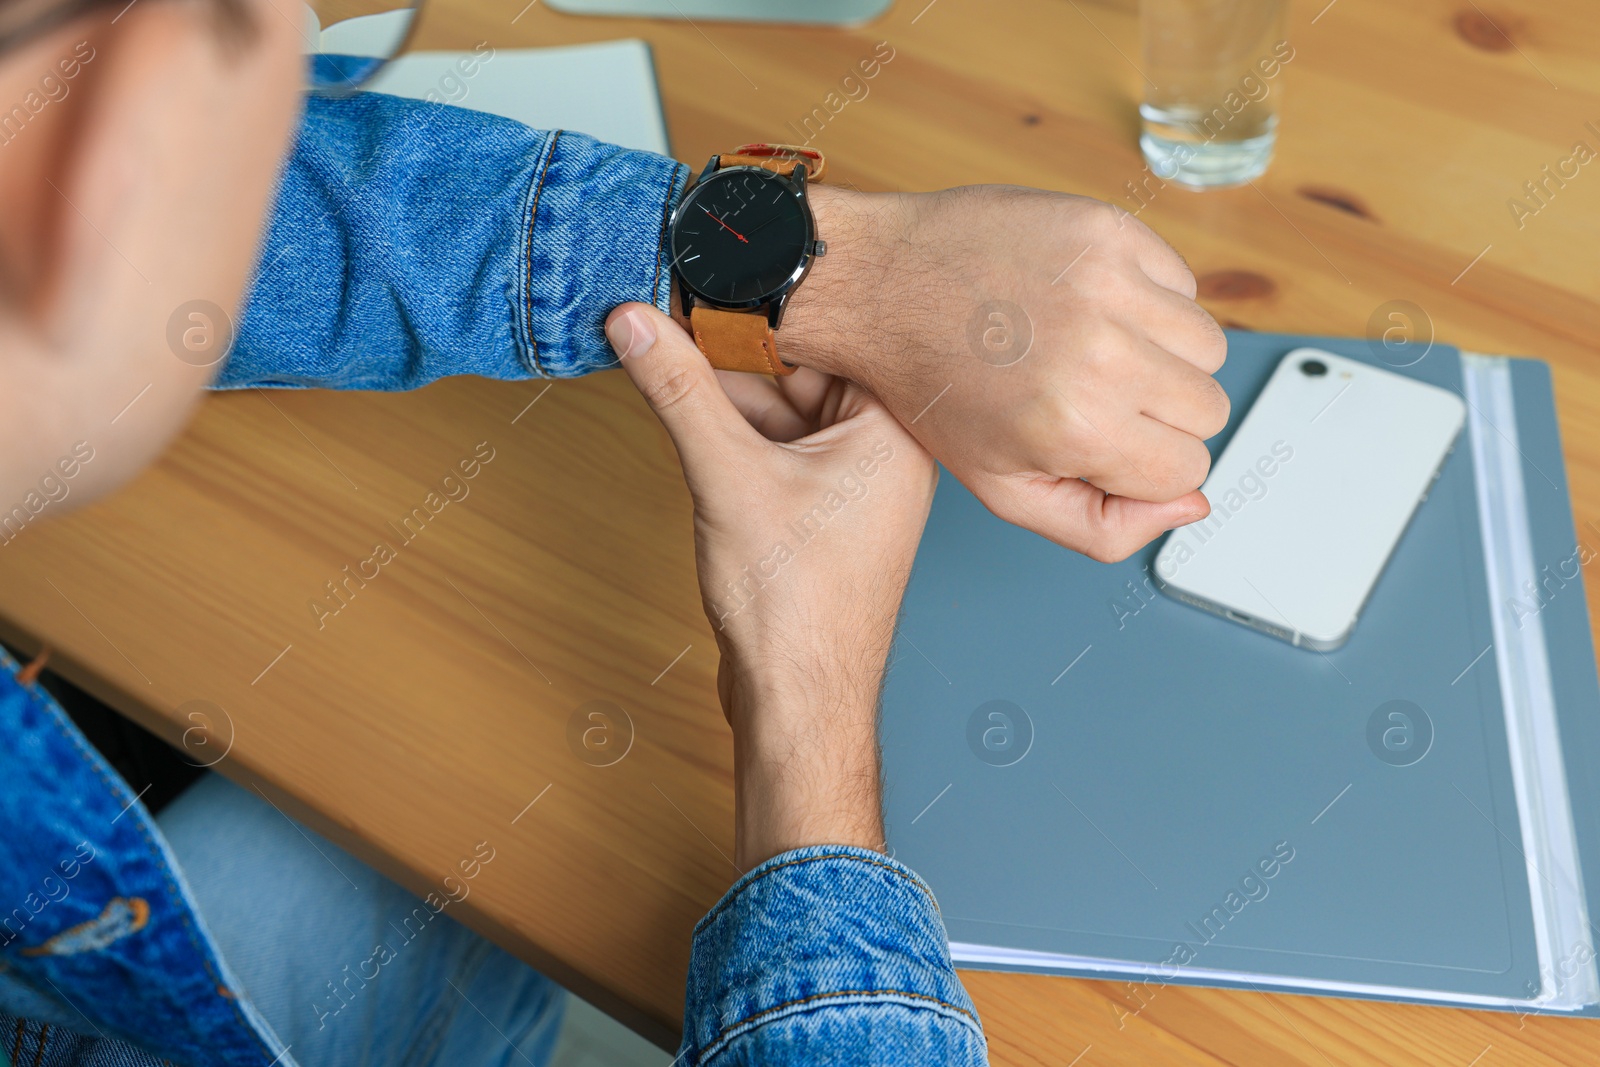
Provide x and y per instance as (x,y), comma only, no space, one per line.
(410,241)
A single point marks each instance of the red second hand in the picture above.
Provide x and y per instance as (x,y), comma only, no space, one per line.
(725,226)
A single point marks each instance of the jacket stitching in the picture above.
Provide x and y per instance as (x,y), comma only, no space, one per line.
(815,997)
(38,1052)
(533,220)
(166,876)
(728,903)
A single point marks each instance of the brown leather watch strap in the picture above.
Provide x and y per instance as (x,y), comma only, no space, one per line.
(778,158)
(737,340)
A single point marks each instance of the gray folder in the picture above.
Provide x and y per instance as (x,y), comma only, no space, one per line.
(1096,779)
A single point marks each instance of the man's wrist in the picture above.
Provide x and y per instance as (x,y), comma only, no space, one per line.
(816,786)
(829,324)
(806,764)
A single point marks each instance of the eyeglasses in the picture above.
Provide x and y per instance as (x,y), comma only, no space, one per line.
(346,41)
(352,39)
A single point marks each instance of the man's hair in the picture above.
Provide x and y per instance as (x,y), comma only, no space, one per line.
(23,20)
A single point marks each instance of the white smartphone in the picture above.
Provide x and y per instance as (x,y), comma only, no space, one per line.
(1310,497)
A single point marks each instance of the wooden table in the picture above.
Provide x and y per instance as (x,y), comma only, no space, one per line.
(434,708)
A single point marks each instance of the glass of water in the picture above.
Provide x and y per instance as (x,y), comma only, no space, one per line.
(1212,71)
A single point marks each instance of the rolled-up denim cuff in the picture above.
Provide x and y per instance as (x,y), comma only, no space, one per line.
(596,221)
(814,930)
(411,241)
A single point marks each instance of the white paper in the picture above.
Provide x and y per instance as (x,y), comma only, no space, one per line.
(606,90)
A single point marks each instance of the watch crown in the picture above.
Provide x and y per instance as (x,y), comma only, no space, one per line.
(819,248)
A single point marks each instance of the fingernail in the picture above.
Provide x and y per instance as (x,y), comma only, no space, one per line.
(1186,520)
(630,334)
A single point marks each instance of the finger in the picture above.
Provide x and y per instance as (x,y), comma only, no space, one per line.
(806,389)
(781,409)
(1181,395)
(763,405)
(1149,460)
(680,387)
(1078,516)
(1160,262)
(849,414)
(1182,327)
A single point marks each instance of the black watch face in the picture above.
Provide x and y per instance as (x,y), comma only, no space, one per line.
(740,236)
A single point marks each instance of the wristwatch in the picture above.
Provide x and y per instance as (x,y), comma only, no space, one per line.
(742,240)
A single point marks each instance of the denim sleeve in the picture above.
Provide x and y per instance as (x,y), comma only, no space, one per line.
(414,240)
(829,955)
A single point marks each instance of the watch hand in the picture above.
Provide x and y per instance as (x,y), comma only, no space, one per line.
(764,225)
(725,226)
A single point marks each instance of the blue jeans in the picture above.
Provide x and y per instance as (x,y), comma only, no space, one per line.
(347,967)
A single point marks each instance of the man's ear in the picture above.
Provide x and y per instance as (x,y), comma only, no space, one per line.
(178,109)
(36,134)
(140,188)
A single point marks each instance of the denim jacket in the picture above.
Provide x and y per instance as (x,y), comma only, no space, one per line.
(413,241)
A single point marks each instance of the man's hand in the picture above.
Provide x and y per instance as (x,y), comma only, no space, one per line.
(1045,348)
(809,500)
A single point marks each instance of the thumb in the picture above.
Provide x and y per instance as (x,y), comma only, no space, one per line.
(680,385)
(1075,514)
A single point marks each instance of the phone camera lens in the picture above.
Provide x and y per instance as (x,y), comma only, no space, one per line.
(1313,368)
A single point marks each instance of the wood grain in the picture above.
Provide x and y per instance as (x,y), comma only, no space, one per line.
(429,712)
